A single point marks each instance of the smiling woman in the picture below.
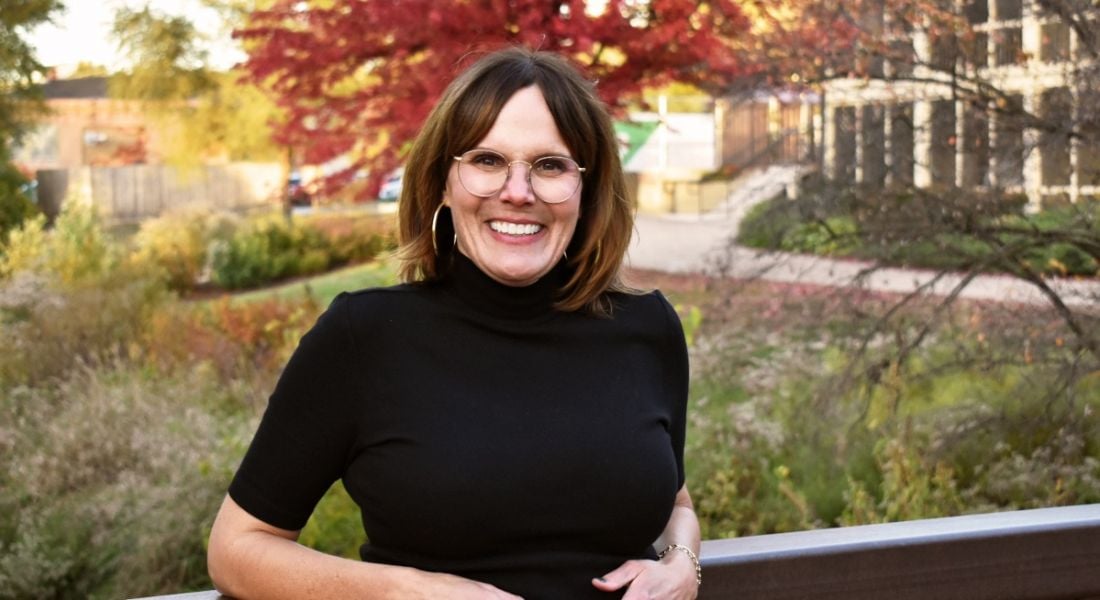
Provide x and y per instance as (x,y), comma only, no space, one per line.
(511,420)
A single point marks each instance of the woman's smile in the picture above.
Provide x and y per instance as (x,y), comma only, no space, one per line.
(515,229)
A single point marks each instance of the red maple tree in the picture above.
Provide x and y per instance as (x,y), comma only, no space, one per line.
(356,78)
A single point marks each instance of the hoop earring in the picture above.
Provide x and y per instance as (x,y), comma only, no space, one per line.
(435,221)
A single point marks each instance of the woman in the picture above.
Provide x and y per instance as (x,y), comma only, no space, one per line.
(511,422)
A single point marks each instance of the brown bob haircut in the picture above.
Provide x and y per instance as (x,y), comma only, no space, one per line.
(463,117)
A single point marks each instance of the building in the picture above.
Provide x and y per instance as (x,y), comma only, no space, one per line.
(85,127)
(1001,102)
(106,152)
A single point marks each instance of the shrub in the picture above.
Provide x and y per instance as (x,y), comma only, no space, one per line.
(336,526)
(935,229)
(110,482)
(930,228)
(178,243)
(833,235)
(767,224)
(910,488)
(1065,259)
(67,299)
(197,246)
(356,240)
(48,330)
(75,252)
(233,338)
(266,250)
(1059,241)
(806,416)
(15,207)
(933,441)
(740,478)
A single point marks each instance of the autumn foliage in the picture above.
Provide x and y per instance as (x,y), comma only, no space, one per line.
(356,78)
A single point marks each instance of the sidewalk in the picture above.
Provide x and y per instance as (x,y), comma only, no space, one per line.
(704,244)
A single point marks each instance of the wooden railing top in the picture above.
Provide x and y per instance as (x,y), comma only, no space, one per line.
(1041,554)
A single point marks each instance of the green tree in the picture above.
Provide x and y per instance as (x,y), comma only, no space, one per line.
(202,112)
(89,69)
(20,99)
(166,54)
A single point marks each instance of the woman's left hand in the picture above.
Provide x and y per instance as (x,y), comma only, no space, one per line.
(670,579)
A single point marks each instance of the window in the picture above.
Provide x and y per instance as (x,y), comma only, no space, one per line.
(975,146)
(1008,35)
(1056,112)
(873,163)
(871,20)
(41,146)
(1009,10)
(943,142)
(1008,148)
(977,12)
(844,148)
(1055,43)
(901,143)
(1088,146)
(1009,43)
(113,146)
(944,51)
(902,57)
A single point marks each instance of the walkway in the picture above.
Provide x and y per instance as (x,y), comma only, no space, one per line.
(704,244)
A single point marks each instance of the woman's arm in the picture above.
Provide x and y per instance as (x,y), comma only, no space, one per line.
(249,558)
(673,577)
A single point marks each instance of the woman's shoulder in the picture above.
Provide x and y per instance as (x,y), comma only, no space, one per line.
(383,292)
(401,297)
(647,302)
(648,308)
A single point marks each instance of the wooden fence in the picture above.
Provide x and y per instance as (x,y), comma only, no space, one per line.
(138,192)
(760,129)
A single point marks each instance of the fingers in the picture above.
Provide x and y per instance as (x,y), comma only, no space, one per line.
(620,577)
(645,579)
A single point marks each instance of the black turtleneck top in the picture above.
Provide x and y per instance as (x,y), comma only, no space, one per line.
(482,432)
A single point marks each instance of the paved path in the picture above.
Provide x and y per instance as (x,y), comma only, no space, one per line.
(704,244)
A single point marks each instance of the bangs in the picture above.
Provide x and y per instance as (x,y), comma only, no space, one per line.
(477,109)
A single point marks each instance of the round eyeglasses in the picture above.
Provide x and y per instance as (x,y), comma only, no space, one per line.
(553,179)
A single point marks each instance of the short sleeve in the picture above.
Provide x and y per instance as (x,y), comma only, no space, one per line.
(304,439)
(675,360)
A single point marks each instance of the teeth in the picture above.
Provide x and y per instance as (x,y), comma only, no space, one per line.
(515,228)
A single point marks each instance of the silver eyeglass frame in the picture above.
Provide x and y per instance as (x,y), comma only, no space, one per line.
(508,174)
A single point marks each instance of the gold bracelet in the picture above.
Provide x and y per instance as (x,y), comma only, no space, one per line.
(691,555)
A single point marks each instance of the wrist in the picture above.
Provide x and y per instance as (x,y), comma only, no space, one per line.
(674,552)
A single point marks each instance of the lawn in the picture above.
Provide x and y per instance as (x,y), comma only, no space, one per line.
(323,288)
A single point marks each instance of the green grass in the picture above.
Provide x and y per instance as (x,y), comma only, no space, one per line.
(323,288)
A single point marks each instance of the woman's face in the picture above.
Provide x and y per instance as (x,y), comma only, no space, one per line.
(512,236)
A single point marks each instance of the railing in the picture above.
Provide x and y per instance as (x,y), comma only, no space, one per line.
(1042,554)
